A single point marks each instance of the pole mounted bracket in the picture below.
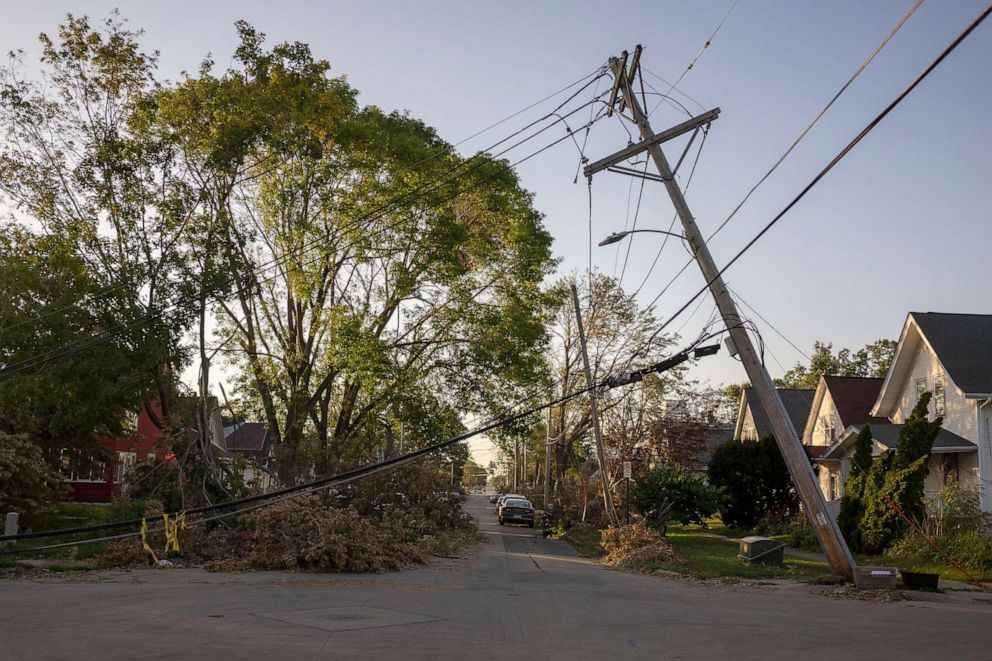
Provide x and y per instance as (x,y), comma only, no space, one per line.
(658,138)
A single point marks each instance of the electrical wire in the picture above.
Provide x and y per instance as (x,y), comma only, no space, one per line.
(782,158)
(816,119)
(698,55)
(770,325)
(85,343)
(273,497)
(599,72)
(833,162)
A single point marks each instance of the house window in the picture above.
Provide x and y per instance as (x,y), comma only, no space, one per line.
(834,485)
(829,431)
(125,460)
(921,387)
(938,394)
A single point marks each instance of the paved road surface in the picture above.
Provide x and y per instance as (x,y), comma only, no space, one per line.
(517,597)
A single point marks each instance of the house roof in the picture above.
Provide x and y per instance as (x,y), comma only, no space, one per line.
(888,434)
(797,404)
(854,397)
(246,436)
(963,343)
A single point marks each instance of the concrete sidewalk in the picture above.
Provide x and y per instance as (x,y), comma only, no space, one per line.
(518,596)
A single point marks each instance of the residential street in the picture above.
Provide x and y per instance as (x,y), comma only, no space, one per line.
(517,596)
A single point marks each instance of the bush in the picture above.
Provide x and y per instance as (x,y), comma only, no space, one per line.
(895,478)
(754,480)
(27,484)
(672,493)
(954,520)
(635,545)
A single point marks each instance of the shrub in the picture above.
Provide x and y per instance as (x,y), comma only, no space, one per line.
(672,493)
(954,520)
(635,545)
(896,478)
(754,480)
(27,484)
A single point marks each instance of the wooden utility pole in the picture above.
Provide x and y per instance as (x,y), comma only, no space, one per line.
(604,466)
(547,463)
(788,441)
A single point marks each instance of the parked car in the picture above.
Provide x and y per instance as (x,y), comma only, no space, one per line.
(504,498)
(494,497)
(517,510)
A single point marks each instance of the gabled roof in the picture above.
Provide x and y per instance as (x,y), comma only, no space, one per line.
(947,442)
(961,342)
(853,397)
(797,404)
(246,436)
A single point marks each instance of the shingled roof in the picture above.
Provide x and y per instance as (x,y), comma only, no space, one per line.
(854,397)
(963,343)
(246,436)
(797,404)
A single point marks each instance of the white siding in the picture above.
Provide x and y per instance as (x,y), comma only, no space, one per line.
(959,413)
(825,417)
(748,431)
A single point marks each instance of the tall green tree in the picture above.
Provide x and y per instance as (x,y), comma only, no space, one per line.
(382,283)
(872,360)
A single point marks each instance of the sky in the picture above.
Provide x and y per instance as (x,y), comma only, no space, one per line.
(901,224)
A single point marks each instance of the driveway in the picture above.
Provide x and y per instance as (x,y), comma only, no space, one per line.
(517,597)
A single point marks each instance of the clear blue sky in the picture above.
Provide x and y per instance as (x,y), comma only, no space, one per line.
(902,224)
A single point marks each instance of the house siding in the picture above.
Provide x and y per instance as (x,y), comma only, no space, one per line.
(826,413)
(959,413)
(748,431)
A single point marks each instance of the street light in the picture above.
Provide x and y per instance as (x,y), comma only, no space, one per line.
(620,236)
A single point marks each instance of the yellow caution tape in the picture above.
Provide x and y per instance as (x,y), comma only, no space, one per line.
(144,540)
(172,528)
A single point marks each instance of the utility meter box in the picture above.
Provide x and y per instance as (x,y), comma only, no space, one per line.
(877,578)
(761,550)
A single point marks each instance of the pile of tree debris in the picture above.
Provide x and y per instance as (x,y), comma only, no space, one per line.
(383,523)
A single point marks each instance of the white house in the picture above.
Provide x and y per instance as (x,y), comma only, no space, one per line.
(950,356)
(839,403)
(752,423)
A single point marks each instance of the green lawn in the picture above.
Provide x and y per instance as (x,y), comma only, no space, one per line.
(586,543)
(703,556)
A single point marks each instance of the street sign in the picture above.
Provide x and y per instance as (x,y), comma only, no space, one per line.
(627,470)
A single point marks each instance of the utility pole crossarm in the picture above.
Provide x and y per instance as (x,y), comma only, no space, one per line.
(841,560)
(657,139)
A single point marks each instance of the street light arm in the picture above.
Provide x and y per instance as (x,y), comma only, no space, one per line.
(620,236)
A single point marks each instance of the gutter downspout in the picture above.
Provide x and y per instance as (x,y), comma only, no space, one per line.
(984,439)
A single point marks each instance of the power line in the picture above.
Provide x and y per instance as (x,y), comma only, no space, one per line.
(272,497)
(785,154)
(770,325)
(79,345)
(599,72)
(816,119)
(833,162)
(696,58)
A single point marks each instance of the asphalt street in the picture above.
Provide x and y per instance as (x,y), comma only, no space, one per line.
(517,596)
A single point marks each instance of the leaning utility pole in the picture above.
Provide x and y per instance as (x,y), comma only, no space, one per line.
(604,467)
(547,463)
(788,441)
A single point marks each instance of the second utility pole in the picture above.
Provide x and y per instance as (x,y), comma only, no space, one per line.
(841,560)
(604,466)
